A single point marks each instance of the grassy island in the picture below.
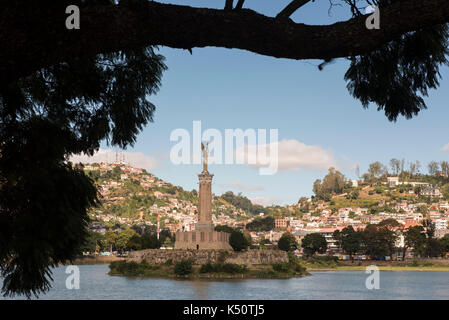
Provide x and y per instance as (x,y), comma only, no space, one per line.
(187,270)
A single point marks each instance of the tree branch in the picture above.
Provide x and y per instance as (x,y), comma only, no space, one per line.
(38,38)
(291,8)
(239,4)
(228,5)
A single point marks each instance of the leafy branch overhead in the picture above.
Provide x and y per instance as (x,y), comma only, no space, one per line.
(110,27)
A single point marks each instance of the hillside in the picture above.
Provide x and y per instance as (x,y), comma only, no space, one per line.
(134,196)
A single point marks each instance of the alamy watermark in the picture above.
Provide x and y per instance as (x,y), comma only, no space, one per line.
(373,280)
(373,20)
(235,146)
(73,280)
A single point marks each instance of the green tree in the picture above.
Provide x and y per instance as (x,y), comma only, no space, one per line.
(135,242)
(418,190)
(223,228)
(164,234)
(395,166)
(168,243)
(444,165)
(261,224)
(333,183)
(123,239)
(445,191)
(349,240)
(415,238)
(238,241)
(445,243)
(355,195)
(434,168)
(287,242)
(389,223)
(376,171)
(434,248)
(379,240)
(150,241)
(110,240)
(313,243)
(92,242)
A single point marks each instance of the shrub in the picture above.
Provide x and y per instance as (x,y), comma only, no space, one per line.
(131,269)
(118,267)
(231,268)
(295,264)
(207,268)
(266,273)
(183,267)
(281,267)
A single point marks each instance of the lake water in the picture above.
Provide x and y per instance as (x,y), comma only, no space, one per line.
(347,285)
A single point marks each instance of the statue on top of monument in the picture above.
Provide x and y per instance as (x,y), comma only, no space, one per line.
(205,150)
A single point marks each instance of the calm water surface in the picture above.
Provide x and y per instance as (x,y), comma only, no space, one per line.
(96,284)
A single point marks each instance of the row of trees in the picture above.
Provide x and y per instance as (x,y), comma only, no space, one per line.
(242,202)
(405,170)
(261,224)
(312,243)
(376,240)
(136,238)
(381,239)
(133,238)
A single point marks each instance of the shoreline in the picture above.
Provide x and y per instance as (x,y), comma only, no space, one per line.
(381,268)
(423,264)
(94,260)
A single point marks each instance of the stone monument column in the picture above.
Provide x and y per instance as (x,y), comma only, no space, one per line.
(205,195)
(205,203)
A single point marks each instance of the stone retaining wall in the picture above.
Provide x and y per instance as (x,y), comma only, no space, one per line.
(250,257)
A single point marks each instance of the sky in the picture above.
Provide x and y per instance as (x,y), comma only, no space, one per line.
(319,123)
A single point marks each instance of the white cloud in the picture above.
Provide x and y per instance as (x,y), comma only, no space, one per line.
(241,186)
(135,159)
(294,155)
(264,201)
(445,148)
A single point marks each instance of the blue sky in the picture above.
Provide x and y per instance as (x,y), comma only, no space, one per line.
(237,89)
